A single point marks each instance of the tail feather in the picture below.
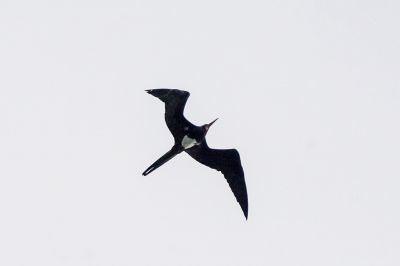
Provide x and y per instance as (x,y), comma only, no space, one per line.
(165,158)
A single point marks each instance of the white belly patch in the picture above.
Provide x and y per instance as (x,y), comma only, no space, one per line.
(187,142)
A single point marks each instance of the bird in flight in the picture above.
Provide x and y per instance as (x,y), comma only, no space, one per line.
(191,139)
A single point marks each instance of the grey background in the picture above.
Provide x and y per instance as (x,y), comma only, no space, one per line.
(307,91)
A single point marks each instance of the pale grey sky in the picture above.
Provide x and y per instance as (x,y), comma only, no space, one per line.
(307,91)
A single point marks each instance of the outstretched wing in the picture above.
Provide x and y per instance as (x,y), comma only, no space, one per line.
(175,101)
(228,162)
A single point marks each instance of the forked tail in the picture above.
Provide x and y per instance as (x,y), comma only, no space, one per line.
(165,158)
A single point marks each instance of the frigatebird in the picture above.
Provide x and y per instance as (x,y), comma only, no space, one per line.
(191,139)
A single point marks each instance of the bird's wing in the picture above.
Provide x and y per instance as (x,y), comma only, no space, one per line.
(175,101)
(228,162)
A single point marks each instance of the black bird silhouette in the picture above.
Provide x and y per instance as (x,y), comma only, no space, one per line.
(191,139)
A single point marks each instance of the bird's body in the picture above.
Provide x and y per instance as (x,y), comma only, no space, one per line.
(188,142)
(191,139)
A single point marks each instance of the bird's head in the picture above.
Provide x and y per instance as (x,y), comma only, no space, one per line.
(206,127)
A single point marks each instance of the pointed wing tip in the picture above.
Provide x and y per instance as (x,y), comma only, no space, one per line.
(245,212)
(243,202)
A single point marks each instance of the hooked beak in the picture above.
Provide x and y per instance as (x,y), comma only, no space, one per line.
(209,125)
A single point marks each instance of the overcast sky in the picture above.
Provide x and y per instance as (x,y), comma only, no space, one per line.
(307,91)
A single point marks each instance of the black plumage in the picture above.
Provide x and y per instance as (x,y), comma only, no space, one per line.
(191,139)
